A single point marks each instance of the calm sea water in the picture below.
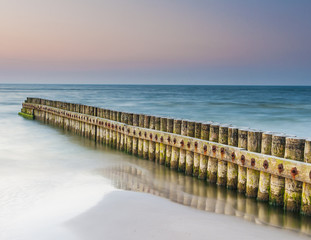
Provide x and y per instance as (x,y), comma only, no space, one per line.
(48,176)
(274,108)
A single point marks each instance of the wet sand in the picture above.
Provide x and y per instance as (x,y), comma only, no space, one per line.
(133,215)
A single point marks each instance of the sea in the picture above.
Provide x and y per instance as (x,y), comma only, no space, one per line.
(48,176)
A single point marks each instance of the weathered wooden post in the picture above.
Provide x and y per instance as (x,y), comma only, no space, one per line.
(264,178)
(232,170)
(168,154)
(189,154)
(253,145)
(212,165)
(141,141)
(107,113)
(196,156)
(152,144)
(277,183)
(126,119)
(122,137)
(163,127)
(242,173)
(129,145)
(294,149)
(205,132)
(146,142)
(306,187)
(135,139)
(222,165)
(175,150)
(182,151)
(157,123)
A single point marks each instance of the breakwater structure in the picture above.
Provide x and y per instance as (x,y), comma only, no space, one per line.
(270,167)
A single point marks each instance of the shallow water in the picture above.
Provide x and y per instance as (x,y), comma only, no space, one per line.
(48,176)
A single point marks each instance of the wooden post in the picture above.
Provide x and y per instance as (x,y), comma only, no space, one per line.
(222,165)
(212,161)
(108,131)
(168,154)
(126,119)
(264,178)
(277,183)
(141,141)
(182,151)
(163,127)
(113,130)
(205,132)
(232,170)
(196,157)
(189,154)
(129,145)
(175,150)
(242,173)
(306,188)
(135,140)
(146,142)
(253,145)
(152,144)
(294,149)
(157,124)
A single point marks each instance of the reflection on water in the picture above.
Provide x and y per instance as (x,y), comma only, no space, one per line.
(145,176)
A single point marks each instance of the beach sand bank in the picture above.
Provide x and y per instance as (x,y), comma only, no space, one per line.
(132,215)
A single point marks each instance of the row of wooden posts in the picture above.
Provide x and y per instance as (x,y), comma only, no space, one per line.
(277,189)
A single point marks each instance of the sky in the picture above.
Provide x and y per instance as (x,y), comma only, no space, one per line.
(156,42)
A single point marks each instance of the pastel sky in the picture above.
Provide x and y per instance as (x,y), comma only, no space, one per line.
(156,42)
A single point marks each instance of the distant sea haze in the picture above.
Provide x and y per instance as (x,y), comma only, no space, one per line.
(284,109)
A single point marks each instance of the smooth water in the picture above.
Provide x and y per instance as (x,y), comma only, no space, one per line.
(270,108)
(48,176)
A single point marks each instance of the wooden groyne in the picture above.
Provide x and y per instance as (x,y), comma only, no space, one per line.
(271,167)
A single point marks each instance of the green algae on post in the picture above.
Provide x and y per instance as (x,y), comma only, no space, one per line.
(27,116)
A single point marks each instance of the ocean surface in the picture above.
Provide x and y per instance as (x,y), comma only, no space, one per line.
(48,176)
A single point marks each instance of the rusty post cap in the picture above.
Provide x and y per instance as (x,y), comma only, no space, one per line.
(150,135)
(188,144)
(222,150)
(156,137)
(128,130)
(174,141)
(145,134)
(196,145)
(232,156)
(280,168)
(168,139)
(265,164)
(253,162)
(243,159)
(294,172)
(134,132)
(214,149)
(205,148)
(139,133)
(161,139)
(182,143)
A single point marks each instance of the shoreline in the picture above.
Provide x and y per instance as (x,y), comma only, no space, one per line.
(140,216)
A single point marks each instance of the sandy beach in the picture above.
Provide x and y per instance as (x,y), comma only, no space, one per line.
(132,215)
